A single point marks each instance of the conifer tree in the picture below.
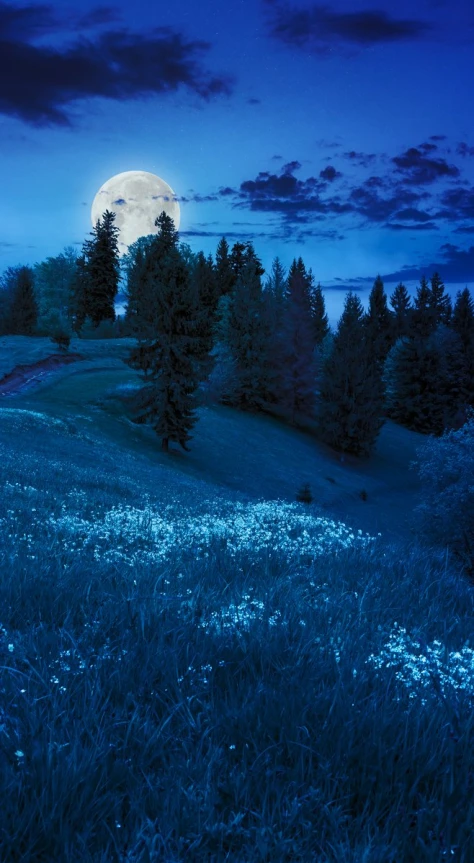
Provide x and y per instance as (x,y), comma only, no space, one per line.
(224,273)
(8,284)
(167,402)
(204,282)
(401,304)
(462,322)
(247,337)
(101,253)
(379,323)
(418,377)
(440,301)
(24,307)
(274,309)
(350,402)
(297,379)
(318,315)
(423,319)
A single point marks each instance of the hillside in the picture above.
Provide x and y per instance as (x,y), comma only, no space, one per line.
(245,456)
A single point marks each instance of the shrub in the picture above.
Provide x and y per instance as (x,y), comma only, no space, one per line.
(304,495)
(61,339)
(445,514)
(363,494)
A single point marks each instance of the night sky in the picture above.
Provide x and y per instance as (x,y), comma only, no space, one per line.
(342,132)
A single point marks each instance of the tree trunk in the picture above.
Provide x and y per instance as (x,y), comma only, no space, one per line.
(164,444)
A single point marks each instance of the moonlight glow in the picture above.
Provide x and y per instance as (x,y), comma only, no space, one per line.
(136,198)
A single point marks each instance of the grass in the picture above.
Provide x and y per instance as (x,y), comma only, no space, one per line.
(190,672)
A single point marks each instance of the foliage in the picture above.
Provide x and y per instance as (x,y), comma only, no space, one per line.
(304,494)
(350,400)
(103,269)
(24,306)
(53,280)
(297,372)
(446,512)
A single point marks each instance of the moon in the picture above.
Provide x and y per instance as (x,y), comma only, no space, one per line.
(136,198)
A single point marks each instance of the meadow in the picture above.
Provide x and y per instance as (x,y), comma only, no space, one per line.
(197,667)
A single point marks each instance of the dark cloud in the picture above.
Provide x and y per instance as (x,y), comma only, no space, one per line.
(419,169)
(38,83)
(364,159)
(321,28)
(119,201)
(454,265)
(414,215)
(396,226)
(464,150)
(329,173)
(468,229)
(368,203)
(438,137)
(254,101)
(457,204)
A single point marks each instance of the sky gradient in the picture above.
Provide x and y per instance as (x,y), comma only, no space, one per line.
(341,132)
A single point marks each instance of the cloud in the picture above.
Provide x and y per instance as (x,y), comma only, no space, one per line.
(464,150)
(38,83)
(321,28)
(329,174)
(419,169)
(457,204)
(364,159)
(98,16)
(453,264)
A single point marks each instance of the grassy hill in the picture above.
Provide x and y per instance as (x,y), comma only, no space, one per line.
(195,666)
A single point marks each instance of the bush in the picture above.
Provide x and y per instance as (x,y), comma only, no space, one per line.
(304,495)
(61,339)
(445,514)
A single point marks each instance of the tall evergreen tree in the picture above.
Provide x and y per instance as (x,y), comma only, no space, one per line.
(247,337)
(462,322)
(416,376)
(423,319)
(167,402)
(401,304)
(297,381)
(103,267)
(204,282)
(24,307)
(8,284)
(440,301)
(318,315)
(350,403)
(224,272)
(379,322)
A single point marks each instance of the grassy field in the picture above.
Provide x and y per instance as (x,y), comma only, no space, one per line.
(195,666)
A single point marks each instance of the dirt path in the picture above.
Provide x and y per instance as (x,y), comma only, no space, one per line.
(23,377)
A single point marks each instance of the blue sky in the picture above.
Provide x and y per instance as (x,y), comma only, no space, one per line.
(341,132)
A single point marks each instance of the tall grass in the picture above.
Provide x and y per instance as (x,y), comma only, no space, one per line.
(188,677)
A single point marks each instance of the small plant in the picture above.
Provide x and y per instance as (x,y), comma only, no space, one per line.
(304,495)
(363,494)
(61,339)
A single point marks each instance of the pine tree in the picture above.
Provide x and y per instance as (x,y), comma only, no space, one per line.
(401,304)
(415,375)
(224,273)
(297,386)
(350,404)
(204,283)
(462,322)
(247,338)
(101,253)
(441,305)
(167,402)
(274,311)
(24,308)
(423,320)
(379,323)
(318,315)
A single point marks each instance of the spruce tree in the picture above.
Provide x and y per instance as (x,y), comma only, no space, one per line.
(350,403)
(8,284)
(79,290)
(204,283)
(224,272)
(318,315)
(401,304)
(24,307)
(167,402)
(441,305)
(247,337)
(297,382)
(423,318)
(379,323)
(274,310)
(416,376)
(462,322)
(103,267)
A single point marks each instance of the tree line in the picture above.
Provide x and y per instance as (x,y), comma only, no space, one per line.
(207,328)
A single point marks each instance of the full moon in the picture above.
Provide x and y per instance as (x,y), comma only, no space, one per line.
(137,198)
